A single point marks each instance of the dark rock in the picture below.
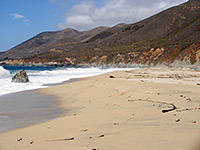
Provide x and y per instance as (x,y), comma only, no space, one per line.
(177,120)
(20,77)
(111,76)
(19,139)
(101,135)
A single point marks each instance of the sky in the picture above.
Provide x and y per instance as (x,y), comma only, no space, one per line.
(21,20)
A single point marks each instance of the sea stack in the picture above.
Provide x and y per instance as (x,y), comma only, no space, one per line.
(20,77)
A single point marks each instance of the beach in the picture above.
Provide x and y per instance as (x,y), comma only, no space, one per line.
(143,109)
(25,108)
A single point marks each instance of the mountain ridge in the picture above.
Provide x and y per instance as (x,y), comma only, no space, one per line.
(175,28)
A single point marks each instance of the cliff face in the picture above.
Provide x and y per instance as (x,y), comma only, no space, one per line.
(165,38)
(153,56)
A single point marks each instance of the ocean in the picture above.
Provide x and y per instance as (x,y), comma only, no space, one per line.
(40,77)
(21,106)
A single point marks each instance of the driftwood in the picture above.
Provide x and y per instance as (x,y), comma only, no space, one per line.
(163,111)
(66,139)
(167,110)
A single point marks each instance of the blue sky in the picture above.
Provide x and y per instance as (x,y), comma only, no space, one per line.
(23,19)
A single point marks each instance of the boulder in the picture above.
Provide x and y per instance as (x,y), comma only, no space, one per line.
(20,77)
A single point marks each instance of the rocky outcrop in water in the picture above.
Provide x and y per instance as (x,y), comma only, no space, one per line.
(20,77)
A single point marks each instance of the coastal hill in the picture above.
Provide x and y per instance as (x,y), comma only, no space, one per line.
(169,37)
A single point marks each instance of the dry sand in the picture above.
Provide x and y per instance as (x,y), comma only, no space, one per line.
(120,111)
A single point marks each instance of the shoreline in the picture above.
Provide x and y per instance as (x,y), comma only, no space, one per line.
(124,111)
(38,92)
(54,103)
(27,108)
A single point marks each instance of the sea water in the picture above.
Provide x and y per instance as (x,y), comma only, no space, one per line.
(40,77)
(20,107)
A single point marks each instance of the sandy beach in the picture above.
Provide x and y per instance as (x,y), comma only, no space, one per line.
(143,109)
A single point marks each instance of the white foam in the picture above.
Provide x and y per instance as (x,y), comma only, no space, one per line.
(4,73)
(39,78)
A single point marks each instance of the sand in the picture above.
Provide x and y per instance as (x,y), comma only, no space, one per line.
(25,108)
(120,111)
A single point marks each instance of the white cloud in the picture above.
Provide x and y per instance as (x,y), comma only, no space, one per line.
(21,17)
(17,16)
(80,19)
(85,15)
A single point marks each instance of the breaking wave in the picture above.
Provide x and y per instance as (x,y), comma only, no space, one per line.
(4,73)
(42,78)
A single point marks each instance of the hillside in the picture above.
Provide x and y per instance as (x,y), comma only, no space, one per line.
(167,37)
(46,41)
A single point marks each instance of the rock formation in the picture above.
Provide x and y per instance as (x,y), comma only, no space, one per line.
(20,77)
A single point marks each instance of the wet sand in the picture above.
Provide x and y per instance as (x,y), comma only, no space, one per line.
(21,109)
(143,109)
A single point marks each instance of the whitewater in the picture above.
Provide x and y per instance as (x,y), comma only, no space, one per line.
(40,78)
